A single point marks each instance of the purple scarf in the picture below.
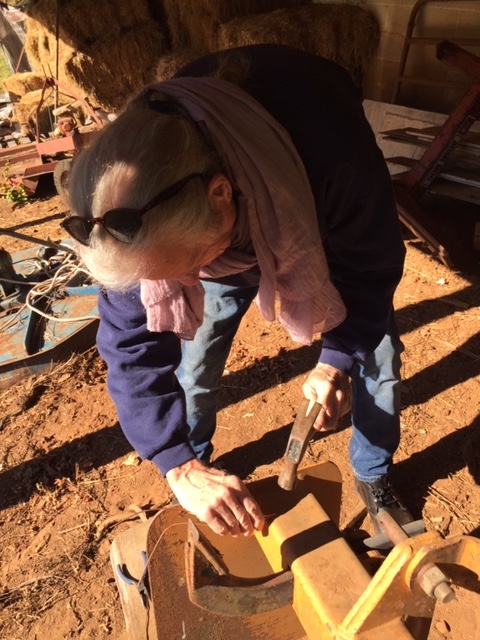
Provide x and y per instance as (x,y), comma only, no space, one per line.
(276,224)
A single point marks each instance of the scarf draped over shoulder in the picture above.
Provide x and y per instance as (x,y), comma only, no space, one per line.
(277,201)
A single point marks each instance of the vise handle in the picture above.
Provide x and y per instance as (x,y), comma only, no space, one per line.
(301,433)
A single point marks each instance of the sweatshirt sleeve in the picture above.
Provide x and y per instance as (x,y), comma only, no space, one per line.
(365,253)
(141,380)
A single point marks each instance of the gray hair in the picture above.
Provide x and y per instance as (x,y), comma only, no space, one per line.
(133,159)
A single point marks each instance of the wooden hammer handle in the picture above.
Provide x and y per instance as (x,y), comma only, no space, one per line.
(301,433)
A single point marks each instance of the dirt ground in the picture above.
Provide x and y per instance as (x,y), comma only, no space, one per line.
(69,478)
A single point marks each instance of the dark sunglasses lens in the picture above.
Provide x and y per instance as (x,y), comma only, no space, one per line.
(79,228)
(123,224)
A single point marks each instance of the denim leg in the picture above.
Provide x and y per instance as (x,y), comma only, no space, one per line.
(203,359)
(376,409)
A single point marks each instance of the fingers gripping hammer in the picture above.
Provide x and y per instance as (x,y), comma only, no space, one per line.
(302,432)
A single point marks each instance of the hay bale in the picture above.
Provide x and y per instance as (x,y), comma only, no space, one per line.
(168,65)
(194,25)
(110,71)
(344,33)
(83,22)
(23,83)
(106,49)
(41,48)
(26,108)
(106,70)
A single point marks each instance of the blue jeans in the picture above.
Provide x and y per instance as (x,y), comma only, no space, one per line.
(375,383)
(376,408)
(203,359)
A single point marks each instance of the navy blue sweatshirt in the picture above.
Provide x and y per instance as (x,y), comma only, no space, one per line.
(317,103)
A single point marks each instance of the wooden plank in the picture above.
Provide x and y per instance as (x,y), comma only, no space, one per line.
(37,170)
(462,175)
(126,550)
(21,148)
(457,191)
(18,156)
(383,116)
(388,117)
(476,237)
(424,138)
(442,186)
(471,137)
(425,141)
(56,145)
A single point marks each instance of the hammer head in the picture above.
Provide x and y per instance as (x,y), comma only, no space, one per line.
(302,432)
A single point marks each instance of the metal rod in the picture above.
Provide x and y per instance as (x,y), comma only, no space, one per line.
(57,39)
(431,579)
(45,243)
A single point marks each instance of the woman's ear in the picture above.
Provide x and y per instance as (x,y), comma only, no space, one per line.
(219,189)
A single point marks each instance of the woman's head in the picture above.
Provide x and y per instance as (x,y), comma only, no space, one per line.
(134,161)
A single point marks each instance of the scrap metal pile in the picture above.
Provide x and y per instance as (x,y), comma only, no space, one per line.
(48,309)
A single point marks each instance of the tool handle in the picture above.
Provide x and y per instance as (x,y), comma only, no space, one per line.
(301,433)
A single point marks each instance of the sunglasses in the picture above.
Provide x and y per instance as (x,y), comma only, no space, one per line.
(121,224)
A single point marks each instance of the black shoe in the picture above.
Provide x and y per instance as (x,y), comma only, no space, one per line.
(380,494)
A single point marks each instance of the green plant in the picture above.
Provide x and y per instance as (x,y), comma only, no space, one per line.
(11,190)
(5,71)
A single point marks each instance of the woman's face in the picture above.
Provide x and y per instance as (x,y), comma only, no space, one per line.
(177,261)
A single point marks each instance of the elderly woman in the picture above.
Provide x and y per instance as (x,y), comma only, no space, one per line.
(251,174)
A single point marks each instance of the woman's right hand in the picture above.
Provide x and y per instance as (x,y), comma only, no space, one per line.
(332,389)
(220,500)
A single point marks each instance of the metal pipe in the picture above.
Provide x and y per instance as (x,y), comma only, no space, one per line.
(45,243)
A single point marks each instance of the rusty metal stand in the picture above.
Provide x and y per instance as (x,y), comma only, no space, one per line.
(411,185)
(424,40)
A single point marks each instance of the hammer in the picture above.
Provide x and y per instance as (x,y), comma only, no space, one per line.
(301,433)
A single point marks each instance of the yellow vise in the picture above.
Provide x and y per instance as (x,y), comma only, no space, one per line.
(331,591)
(301,578)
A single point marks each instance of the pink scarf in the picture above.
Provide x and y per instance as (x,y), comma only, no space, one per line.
(276,208)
